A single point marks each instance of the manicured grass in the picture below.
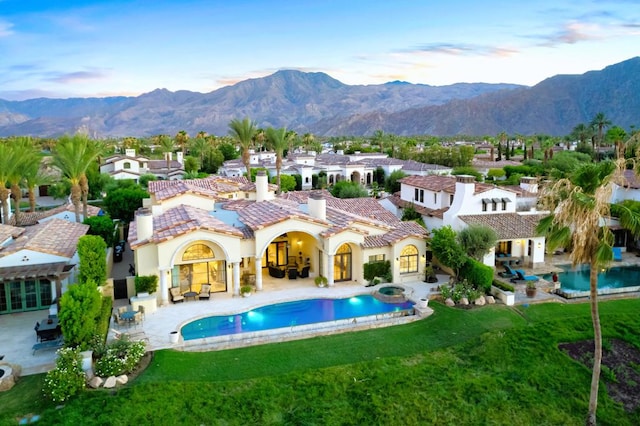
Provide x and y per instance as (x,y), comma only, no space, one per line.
(494,365)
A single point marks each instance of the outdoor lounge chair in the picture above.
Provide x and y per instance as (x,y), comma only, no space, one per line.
(205,292)
(48,344)
(617,254)
(175,295)
(521,277)
(508,272)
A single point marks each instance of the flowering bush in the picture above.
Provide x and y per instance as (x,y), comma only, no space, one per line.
(120,357)
(67,379)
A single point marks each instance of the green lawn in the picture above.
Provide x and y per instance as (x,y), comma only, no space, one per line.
(494,365)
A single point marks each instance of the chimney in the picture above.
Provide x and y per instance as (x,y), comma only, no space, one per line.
(129,152)
(317,205)
(465,188)
(180,158)
(529,184)
(262,185)
(144,224)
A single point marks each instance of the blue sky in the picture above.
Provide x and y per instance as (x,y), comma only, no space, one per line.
(66,48)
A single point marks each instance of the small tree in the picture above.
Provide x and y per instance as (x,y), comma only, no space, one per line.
(146,283)
(347,189)
(101,226)
(146,178)
(392,184)
(446,248)
(79,311)
(477,240)
(122,203)
(93,259)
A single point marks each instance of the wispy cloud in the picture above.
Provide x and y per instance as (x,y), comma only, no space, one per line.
(461,49)
(5,28)
(572,33)
(78,76)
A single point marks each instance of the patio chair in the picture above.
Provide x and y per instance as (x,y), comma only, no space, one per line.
(122,310)
(141,311)
(118,320)
(205,292)
(521,277)
(137,318)
(175,295)
(617,254)
(508,272)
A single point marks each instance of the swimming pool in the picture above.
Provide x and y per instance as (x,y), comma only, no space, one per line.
(292,314)
(619,279)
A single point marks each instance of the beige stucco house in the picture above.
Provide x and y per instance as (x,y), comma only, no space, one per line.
(226,232)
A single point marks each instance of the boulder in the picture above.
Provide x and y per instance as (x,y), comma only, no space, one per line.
(464,301)
(110,382)
(480,301)
(95,382)
(490,300)
(449,302)
(122,380)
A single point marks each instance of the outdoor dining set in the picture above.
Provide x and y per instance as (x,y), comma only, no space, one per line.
(125,315)
(48,334)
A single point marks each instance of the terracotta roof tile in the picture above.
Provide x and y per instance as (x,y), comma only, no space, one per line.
(508,226)
(56,236)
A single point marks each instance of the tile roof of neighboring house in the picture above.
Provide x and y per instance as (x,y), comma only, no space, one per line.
(416,166)
(301,197)
(56,236)
(31,218)
(24,272)
(9,231)
(160,165)
(519,190)
(266,213)
(181,220)
(508,226)
(488,164)
(629,180)
(446,184)
(211,186)
(425,211)
(332,159)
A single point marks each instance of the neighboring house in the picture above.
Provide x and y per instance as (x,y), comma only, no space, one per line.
(460,201)
(65,212)
(130,166)
(36,263)
(193,232)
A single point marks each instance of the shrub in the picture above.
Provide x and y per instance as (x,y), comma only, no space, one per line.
(321,281)
(102,326)
(80,309)
(146,283)
(120,357)
(478,274)
(93,259)
(445,291)
(101,226)
(67,379)
(377,269)
(503,286)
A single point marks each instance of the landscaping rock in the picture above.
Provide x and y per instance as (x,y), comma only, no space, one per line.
(122,380)
(95,382)
(110,382)
(449,302)
(480,301)
(464,301)
(490,300)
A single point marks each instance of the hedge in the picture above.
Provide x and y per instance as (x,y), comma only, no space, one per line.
(503,286)
(478,274)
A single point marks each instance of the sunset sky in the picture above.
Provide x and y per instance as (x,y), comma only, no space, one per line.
(67,48)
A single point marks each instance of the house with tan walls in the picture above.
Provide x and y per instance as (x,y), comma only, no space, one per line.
(460,201)
(203,231)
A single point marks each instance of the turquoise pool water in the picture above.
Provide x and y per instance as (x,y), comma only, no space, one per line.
(290,314)
(613,278)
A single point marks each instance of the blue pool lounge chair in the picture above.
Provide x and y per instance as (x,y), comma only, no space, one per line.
(520,276)
(617,253)
(508,272)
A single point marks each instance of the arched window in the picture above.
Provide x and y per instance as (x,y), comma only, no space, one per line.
(197,251)
(409,259)
(126,165)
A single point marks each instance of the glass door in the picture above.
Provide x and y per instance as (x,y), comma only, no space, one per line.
(342,264)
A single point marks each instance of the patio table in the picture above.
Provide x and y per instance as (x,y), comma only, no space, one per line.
(49,329)
(190,294)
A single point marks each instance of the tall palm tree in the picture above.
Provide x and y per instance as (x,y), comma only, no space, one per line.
(307,140)
(93,151)
(243,131)
(25,154)
(72,155)
(167,147)
(8,163)
(599,122)
(200,147)
(580,216)
(277,139)
(182,137)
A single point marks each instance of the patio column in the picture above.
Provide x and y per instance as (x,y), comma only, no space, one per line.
(258,266)
(236,278)
(164,288)
(330,270)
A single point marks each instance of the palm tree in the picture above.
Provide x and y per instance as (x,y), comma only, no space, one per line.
(307,140)
(182,137)
(72,155)
(599,122)
(243,132)
(166,145)
(200,147)
(278,141)
(25,154)
(93,151)
(8,163)
(580,216)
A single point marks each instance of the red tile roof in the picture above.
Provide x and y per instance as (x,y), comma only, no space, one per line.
(56,236)
(508,226)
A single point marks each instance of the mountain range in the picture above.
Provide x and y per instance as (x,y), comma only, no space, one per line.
(322,105)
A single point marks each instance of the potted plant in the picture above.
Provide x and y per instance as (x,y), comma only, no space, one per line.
(245,290)
(321,281)
(146,284)
(531,289)
(430,275)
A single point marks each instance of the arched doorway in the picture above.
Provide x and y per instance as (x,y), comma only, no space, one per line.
(342,264)
(198,266)
(355,177)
